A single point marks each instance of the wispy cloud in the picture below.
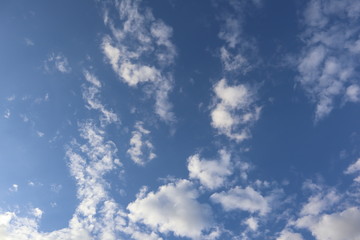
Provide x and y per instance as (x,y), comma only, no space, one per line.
(91,95)
(142,36)
(57,62)
(327,66)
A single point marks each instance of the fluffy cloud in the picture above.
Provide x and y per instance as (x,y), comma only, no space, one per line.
(234,111)
(173,208)
(211,173)
(289,235)
(318,203)
(337,226)
(246,199)
(327,66)
(142,36)
(141,149)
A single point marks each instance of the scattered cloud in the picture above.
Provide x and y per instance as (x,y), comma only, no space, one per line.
(92,98)
(40,134)
(29,42)
(141,37)
(252,223)
(353,168)
(335,226)
(11,98)
(141,149)
(173,208)
(211,173)
(327,66)
(289,235)
(56,188)
(58,62)
(7,114)
(234,111)
(14,188)
(246,199)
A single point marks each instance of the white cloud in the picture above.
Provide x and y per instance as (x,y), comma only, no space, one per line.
(252,223)
(40,134)
(141,149)
(29,42)
(353,168)
(327,66)
(37,212)
(92,98)
(142,36)
(7,114)
(246,199)
(289,235)
(353,93)
(173,208)
(11,98)
(337,226)
(57,62)
(14,188)
(211,173)
(319,202)
(234,111)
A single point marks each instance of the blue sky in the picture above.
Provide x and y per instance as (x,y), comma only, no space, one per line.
(172,119)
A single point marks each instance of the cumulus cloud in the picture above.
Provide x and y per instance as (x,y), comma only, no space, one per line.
(252,223)
(319,202)
(140,38)
(58,62)
(246,199)
(336,226)
(234,110)
(327,66)
(141,149)
(173,208)
(211,173)
(289,235)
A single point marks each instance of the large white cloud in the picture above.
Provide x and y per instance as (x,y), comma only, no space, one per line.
(245,199)
(173,208)
(211,173)
(343,225)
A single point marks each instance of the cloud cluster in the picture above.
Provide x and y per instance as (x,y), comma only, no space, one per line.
(211,173)
(140,51)
(173,208)
(245,199)
(328,64)
(235,110)
(141,149)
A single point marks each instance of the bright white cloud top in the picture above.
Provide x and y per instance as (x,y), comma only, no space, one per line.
(180,120)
